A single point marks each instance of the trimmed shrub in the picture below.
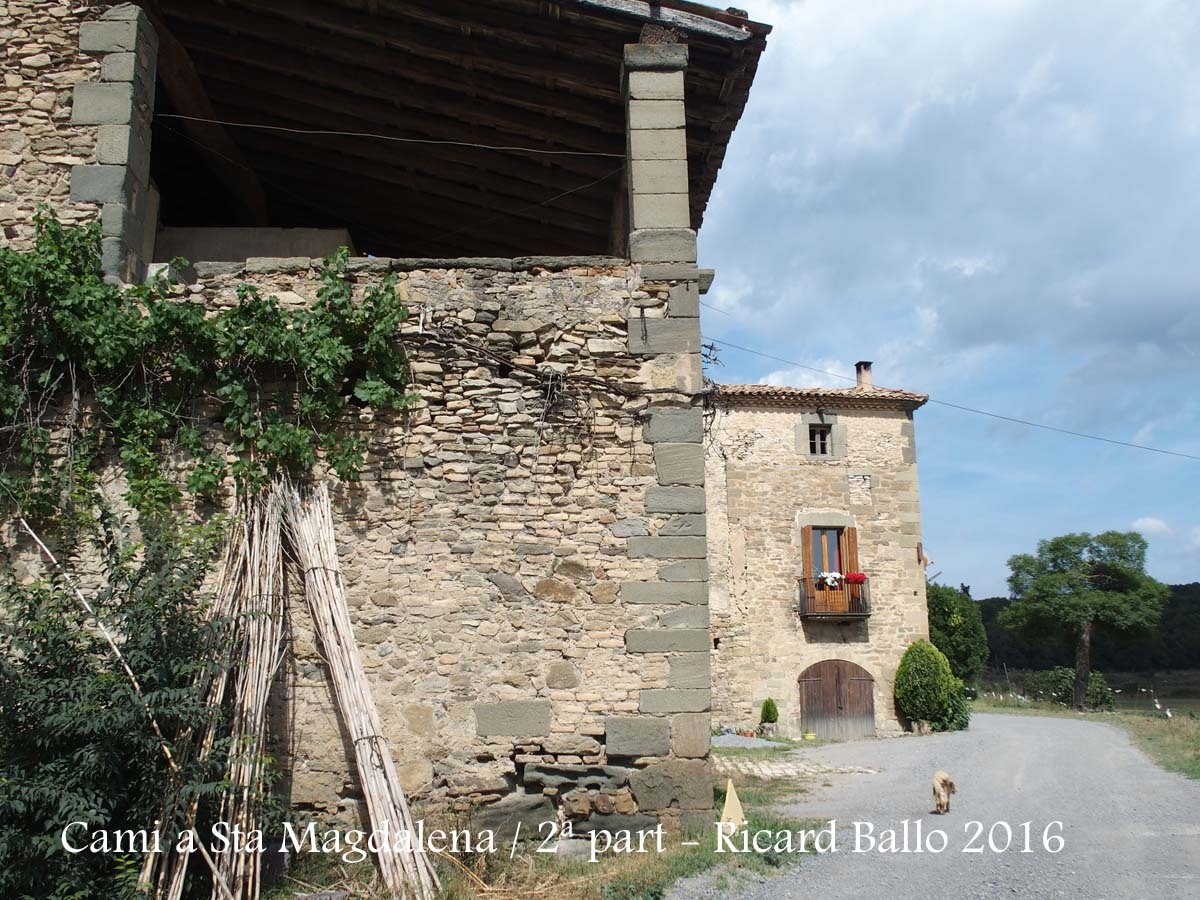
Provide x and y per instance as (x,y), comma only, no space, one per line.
(770,712)
(1057,685)
(924,682)
(958,712)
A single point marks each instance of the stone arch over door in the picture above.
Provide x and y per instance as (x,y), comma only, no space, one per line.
(837,700)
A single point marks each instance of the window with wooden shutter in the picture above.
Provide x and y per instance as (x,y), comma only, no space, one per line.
(831,582)
(851,554)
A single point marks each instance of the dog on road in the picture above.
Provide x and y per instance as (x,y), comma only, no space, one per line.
(943,787)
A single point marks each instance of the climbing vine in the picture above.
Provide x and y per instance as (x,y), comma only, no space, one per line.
(144,370)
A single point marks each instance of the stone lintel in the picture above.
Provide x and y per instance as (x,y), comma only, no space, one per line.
(675,499)
(687,570)
(679,463)
(108,103)
(666,640)
(655,84)
(692,592)
(680,426)
(662,245)
(650,337)
(652,57)
(673,784)
(690,524)
(691,735)
(684,301)
(690,671)
(652,271)
(637,736)
(661,211)
(672,700)
(668,547)
(515,718)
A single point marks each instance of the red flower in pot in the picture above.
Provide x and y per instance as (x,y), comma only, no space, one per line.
(856,578)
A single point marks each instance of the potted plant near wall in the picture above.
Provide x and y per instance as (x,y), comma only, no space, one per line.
(768,720)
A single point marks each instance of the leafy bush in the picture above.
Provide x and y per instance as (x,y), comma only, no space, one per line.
(956,628)
(924,682)
(75,741)
(958,712)
(1057,685)
(148,359)
(770,712)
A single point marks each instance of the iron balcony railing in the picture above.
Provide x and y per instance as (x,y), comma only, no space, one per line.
(847,601)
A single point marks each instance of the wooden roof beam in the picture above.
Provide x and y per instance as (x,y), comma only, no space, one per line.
(437,176)
(430,104)
(461,200)
(182,83)
(418,231)
(424,43)
(372,192)
(318,109)
(665,15)
(203,23)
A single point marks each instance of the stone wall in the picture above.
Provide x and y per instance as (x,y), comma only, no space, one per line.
(761,487)
(524,553)
(41,63)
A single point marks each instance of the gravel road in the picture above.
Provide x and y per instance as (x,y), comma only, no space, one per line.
(1130,830)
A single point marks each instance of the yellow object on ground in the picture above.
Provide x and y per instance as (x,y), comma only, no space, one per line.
(732,812)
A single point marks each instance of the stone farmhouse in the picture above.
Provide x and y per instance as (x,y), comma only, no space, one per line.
(528,550)
(525,551)
(802,482)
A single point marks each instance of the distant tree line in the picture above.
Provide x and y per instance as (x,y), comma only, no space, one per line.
(1174,644)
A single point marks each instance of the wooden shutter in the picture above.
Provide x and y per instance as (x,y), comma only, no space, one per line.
(806,558)
(850,563)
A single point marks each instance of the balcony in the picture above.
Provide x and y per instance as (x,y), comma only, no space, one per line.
(849,601)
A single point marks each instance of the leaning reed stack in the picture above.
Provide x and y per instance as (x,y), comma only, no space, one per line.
(248,612)
(261,632)
(406,870)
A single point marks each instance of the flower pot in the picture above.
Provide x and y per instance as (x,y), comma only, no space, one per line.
(809,736)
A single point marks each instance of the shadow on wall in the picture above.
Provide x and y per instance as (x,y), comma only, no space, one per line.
(817,632)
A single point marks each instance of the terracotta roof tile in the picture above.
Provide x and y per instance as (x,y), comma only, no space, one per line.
(853,397)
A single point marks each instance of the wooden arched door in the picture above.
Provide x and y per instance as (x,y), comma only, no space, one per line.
(837,700)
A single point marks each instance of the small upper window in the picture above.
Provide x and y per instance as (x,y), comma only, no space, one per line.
(820,440)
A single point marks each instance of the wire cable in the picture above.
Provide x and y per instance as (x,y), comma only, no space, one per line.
(388,137)
(969,409)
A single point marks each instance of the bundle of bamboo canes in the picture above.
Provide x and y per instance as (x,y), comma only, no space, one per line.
(405,868)
(261,625)
(248,612)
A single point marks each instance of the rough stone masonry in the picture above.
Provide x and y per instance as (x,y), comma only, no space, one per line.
(525,553)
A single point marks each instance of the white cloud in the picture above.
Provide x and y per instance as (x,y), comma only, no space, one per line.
(930,184)
(794,376)
(1149,525)
(730,292)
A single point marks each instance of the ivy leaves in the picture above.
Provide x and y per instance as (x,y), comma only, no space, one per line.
(156,369)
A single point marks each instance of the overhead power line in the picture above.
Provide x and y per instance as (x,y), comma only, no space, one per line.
(388,137)
(962,408)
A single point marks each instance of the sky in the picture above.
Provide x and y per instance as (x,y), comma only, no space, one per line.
(997,202)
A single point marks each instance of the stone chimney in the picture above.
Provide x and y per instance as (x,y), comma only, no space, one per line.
(862,373)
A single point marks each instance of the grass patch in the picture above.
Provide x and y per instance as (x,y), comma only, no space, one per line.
(781,744)
(1173,744)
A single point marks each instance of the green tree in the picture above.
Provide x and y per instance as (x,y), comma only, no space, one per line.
(956,628)
(1078,583)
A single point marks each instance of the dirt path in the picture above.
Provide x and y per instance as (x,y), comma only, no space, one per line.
(1129,829)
